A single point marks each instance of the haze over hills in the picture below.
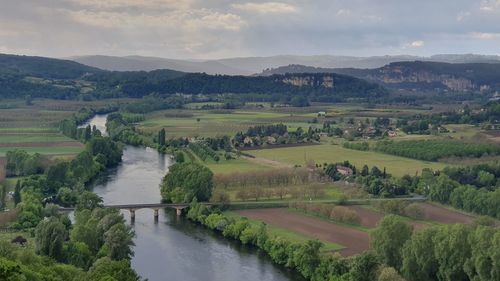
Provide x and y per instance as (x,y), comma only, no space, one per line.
(253,65)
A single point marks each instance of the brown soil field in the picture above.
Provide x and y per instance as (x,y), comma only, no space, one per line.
(369,218)
(43,144)
(2,169)
(444,215)
(355,241)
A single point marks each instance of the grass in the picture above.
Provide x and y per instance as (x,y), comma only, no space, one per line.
(218,123)
(328,153)
(32,137)
(290,235)
(8,236)
(234,165)
(62,150)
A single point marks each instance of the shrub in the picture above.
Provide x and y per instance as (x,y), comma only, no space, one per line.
(345,215)
(414,211)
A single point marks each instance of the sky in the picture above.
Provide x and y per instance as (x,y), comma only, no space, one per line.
(210,29)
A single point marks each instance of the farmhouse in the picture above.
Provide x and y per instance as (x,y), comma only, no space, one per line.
(345,171)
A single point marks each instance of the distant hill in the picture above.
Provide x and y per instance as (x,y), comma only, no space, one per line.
(43,67)
(253,65)
(52,78)
(418,75)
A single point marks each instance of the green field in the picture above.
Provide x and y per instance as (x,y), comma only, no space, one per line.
(62,150)
(11,138)
(213,123)
(234,165)
(328,153)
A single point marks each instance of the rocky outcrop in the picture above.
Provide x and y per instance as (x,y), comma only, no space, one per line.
(325,81)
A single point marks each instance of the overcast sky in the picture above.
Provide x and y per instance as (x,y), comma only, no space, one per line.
(206,29)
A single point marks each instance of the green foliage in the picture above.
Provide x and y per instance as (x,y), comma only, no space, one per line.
(50,235)
(432,150)
(186,181)
(388,239)
(107,269)
(118,241)
(20,163)
(107,152)
(455,252)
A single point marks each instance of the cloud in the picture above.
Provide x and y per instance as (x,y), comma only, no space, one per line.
(178,20)
(485,35)
(266,8)
(490,6)
(344,12)
(136,4)
(415,44)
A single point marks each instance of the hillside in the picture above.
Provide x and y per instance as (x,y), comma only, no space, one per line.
(252,65)
(418,75)
(43,67)
(61,79)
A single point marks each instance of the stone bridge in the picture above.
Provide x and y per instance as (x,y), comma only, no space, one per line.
(133,207)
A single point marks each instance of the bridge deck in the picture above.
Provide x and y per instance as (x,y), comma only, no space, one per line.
(139,206)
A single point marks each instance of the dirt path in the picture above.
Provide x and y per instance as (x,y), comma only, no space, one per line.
(268,162)
(354,240)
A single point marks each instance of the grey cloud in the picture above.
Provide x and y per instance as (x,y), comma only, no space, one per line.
(223,28)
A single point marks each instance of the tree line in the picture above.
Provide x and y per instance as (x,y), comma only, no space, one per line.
(433,150)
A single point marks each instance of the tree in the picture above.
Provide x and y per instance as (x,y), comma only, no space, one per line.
(419,259)
(50,235)
(364,267)
(119,242)
(161,137)
(452,249)
(105,269)
(186,181)
(388,239)
(299,101)
(10,270)
(88,133)
(307,258)
(78,254)
(389,274)
(17,193)
(88,200)
(365,171)
(485,179)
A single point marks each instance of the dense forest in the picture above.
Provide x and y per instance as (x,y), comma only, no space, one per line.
(21,76)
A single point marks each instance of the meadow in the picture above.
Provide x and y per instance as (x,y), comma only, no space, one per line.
(189,123)
(329,153)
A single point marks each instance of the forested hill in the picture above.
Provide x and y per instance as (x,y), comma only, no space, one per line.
(43,67)
(51,78)
(418,75)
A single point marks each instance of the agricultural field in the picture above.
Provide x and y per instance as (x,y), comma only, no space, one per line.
(34,128)
(189,123)
(235,165)
(328,153)
(354,239)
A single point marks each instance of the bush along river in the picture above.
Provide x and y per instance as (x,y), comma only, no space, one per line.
(174,248)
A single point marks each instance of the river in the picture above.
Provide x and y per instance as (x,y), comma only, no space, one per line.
(175,248)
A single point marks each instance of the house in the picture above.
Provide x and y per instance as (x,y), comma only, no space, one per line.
(271,140)
(345,171)
(248,141)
